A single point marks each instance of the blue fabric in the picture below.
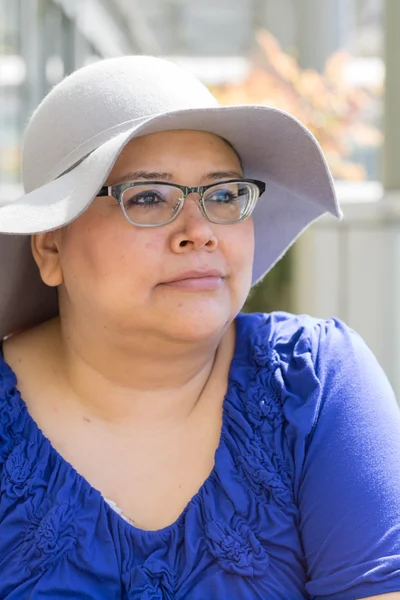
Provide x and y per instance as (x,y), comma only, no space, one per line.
(303,501)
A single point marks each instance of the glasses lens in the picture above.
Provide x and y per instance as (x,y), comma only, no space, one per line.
(230,202)
(150,204)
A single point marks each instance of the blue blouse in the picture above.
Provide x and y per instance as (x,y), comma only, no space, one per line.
(303,500)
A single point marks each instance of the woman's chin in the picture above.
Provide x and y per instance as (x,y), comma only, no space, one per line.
(198,320)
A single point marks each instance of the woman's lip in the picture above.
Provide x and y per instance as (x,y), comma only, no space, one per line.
(209,283)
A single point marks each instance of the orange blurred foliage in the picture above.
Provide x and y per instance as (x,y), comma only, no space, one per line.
(330,107)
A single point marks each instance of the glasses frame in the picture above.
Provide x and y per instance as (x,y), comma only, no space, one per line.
(117,191)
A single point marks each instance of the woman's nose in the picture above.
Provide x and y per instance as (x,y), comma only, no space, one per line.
(193,231)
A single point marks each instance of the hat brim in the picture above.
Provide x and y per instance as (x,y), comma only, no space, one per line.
(273,146)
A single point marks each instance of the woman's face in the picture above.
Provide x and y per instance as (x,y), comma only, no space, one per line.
(124,277)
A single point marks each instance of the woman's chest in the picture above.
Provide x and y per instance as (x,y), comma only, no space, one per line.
(150,480)
(149,474)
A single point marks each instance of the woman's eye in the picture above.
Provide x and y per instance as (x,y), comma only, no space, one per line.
(144,199)
(223,196)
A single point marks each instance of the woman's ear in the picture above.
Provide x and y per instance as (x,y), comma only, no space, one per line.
(45,250)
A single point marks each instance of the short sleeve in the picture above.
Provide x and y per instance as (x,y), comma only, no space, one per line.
(347,455)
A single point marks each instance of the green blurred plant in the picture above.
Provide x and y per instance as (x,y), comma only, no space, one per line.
(274,291)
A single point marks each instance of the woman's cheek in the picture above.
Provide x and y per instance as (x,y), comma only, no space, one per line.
(241,245)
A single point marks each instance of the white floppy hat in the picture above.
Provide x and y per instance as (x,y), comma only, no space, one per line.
(78,131)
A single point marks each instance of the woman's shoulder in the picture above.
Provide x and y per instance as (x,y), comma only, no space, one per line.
(22,358)
(329,349)
(12,413)
(318,364)
(8,379)
(31,342)
(295,335)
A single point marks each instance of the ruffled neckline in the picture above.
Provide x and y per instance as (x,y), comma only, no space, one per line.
(23,425)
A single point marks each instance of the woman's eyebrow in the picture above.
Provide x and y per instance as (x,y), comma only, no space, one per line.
(223,175)
(158,176)
(143,175)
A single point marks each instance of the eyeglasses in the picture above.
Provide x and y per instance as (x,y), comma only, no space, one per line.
(154,203)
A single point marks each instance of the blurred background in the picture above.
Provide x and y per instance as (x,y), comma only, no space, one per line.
(331,63)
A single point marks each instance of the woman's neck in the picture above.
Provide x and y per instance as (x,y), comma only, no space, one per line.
(141,382)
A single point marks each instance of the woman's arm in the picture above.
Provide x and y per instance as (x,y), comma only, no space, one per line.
(392,596)
(346,422)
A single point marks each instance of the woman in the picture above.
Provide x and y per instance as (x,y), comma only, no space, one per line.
(155,443)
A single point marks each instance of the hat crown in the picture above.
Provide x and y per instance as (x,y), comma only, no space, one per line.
(97,98)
